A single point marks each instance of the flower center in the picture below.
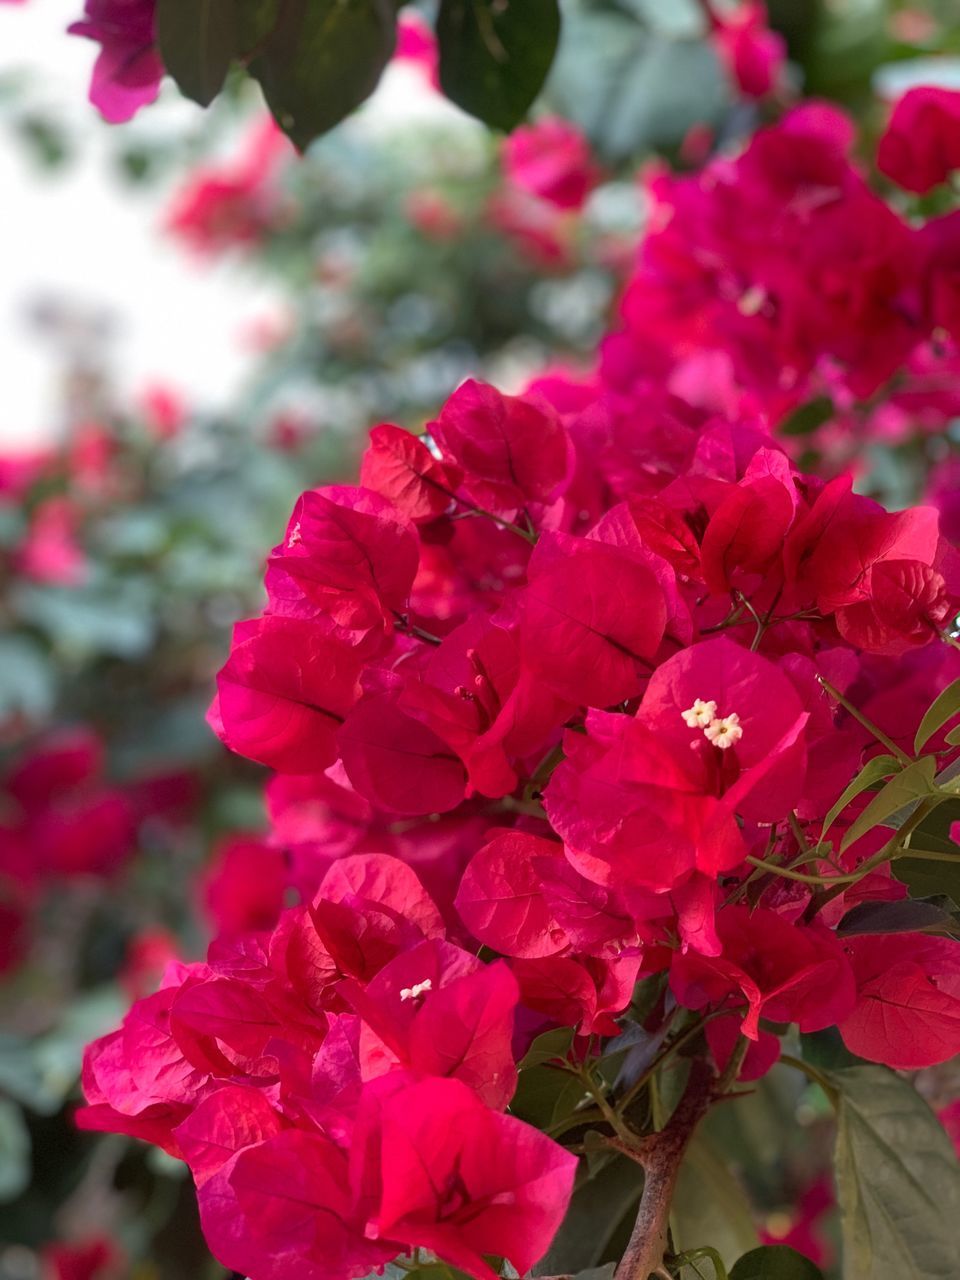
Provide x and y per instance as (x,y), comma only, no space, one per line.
(700,714)
(416,991)
(723,731)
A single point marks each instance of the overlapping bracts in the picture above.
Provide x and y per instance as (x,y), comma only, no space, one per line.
(543,695)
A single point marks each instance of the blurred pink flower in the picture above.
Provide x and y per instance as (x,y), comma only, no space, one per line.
(551,160)
(128,70)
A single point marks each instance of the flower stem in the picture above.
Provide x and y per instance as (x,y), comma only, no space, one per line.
(660,1155)
(870,727)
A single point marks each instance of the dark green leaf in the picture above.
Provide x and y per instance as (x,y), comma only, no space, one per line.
(775,1262)
(933,877)
(898,1180)
(598,1208)
(546,1095)
(915,781)
(495,55)
(905,916)
(255,20)
(826,1050)
(198,41)
(322,60)
(807,418)
(942,709)
(872,772)
(929,877)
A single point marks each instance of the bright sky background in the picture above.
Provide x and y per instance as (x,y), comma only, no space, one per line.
(78,235)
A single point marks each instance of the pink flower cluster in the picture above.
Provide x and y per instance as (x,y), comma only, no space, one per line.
(546,695)
(337,1087)
(62,817)
(787,267)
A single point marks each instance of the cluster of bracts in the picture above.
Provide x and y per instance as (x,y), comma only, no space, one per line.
(549,698)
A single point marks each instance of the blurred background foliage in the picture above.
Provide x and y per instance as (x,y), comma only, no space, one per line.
(406,260)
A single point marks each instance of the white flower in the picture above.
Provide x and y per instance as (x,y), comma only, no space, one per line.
(700,714)
(725,732)
(416,991)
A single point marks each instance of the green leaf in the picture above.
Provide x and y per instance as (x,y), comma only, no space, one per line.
(551,1046)
(826,1050)
(255,20)
(928,877)
(599,1207)
(546,1095)
(898,1180)
(322,60)
(775,1262)
(14,1151)
(198,40)
(915,781)
(710,1207)
(495,55)
(808,417)
(943,708)
(873,771)
(905,916)
(435,1271)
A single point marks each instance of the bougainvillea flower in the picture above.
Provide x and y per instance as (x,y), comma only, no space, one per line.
(593,619)
(397,762)
(91,1258)
(520,896)
(402,469)
(632,810)
(351,553)
(128,70)
(890,579)
(441,1013)
(750,749)
(284,692)
(745,532)
(224,1123)
(245,887)
(284,1206)
(137,1080)
(72,821)
(501,900)
(417,44)
(940,238)
(430,1166)
(551,160)
(51,552)
(652,799)
(768,968)
(476,693)
(907,1013)
(512,451)
(234,204)
(752,54)
(920,147)
(464,1181)
(586,992)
